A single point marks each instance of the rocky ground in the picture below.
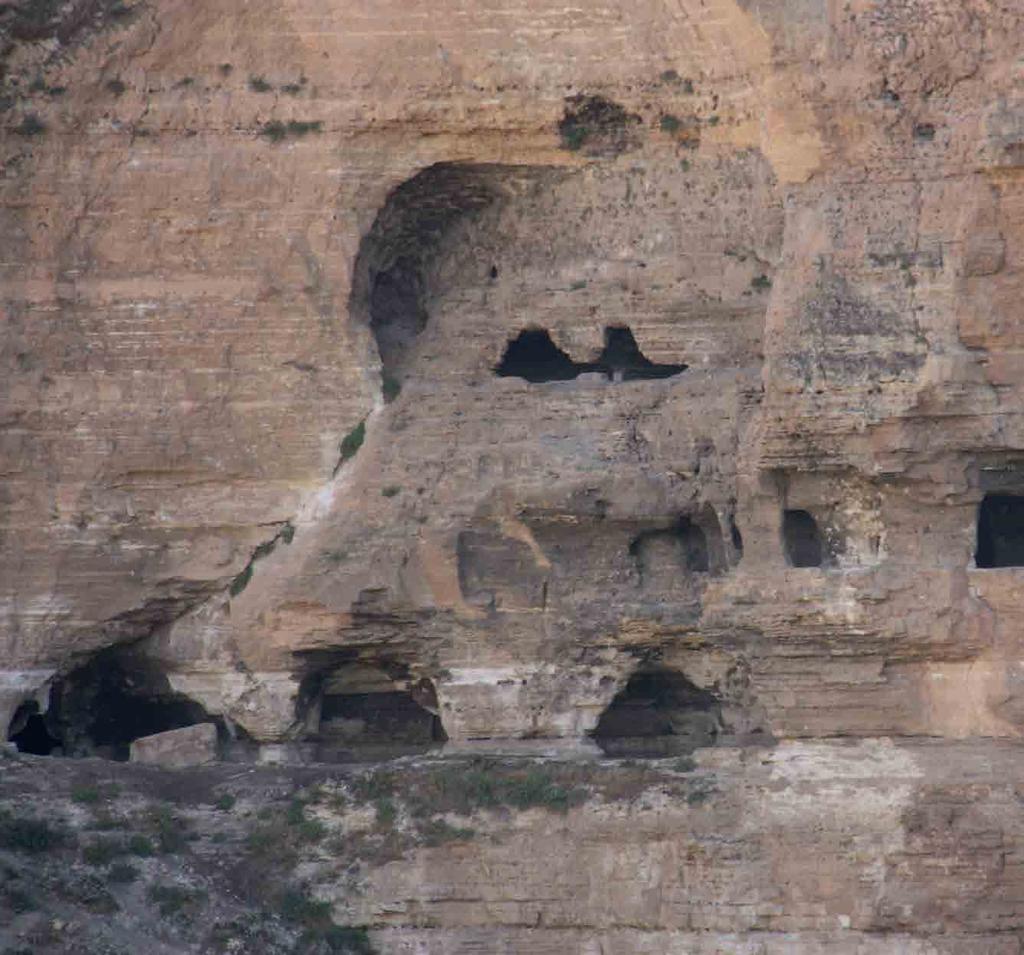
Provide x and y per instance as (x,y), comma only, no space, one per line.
(102,858)
(838,847)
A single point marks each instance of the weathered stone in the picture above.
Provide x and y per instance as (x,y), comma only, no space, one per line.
(265,269)
(174,749)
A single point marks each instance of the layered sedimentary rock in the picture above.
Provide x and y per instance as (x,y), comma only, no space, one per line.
(518,378)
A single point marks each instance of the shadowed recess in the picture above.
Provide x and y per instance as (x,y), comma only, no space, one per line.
(622,360)
(659,713)
(801,539)
(534,357)
(1000,531)
(683,547)
(29,731)
(391,282)
(103,706)
(366,711)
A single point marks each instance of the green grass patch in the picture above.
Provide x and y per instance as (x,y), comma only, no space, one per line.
(463,788)
(673,77)
(391,387)
(30,125)
(670,124)
(302,127)
(437,832)
(296,814)
(685,764)
(122,873)
(140,845)
(265,549)
(596,124)
(386,812)
(346,940)
(574,136)
(174,899)
(241,580)
(272,845)
(85,795)
(275,130)
(373,786)
(297,907)
(308,830)
(169,830)
(103,851)
(30,835)
(700,792)
(18,900)
(104,821)
(352,442)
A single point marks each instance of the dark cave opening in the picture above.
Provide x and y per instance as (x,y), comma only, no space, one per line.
(374,712)
(103,706)
(30,733)
(534,357)
(394,267)
(680,548)
(801,538)
(622,360)
(736,537)
(397,313)
(659,713)
(1000,531)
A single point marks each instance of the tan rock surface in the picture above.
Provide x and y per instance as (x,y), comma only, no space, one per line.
(260,263)
(174,749)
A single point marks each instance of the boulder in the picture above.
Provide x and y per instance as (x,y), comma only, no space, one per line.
(189,746)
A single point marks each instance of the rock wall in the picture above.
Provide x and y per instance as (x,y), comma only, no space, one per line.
(516,352)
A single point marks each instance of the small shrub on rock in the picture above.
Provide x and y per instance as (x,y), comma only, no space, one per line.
(174,899)
(30,835)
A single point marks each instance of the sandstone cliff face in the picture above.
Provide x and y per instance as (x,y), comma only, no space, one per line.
(537,368)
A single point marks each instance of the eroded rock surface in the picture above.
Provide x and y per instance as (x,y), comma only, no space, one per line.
(636,378)
(174,749)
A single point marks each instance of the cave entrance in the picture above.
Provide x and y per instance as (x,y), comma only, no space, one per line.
(1000,531)
(801,539)
(680,548)
(30,733)
(369,713)
(102,707)
(534,357)
(622,360)
(397,312)
(659,713)
(395,268)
